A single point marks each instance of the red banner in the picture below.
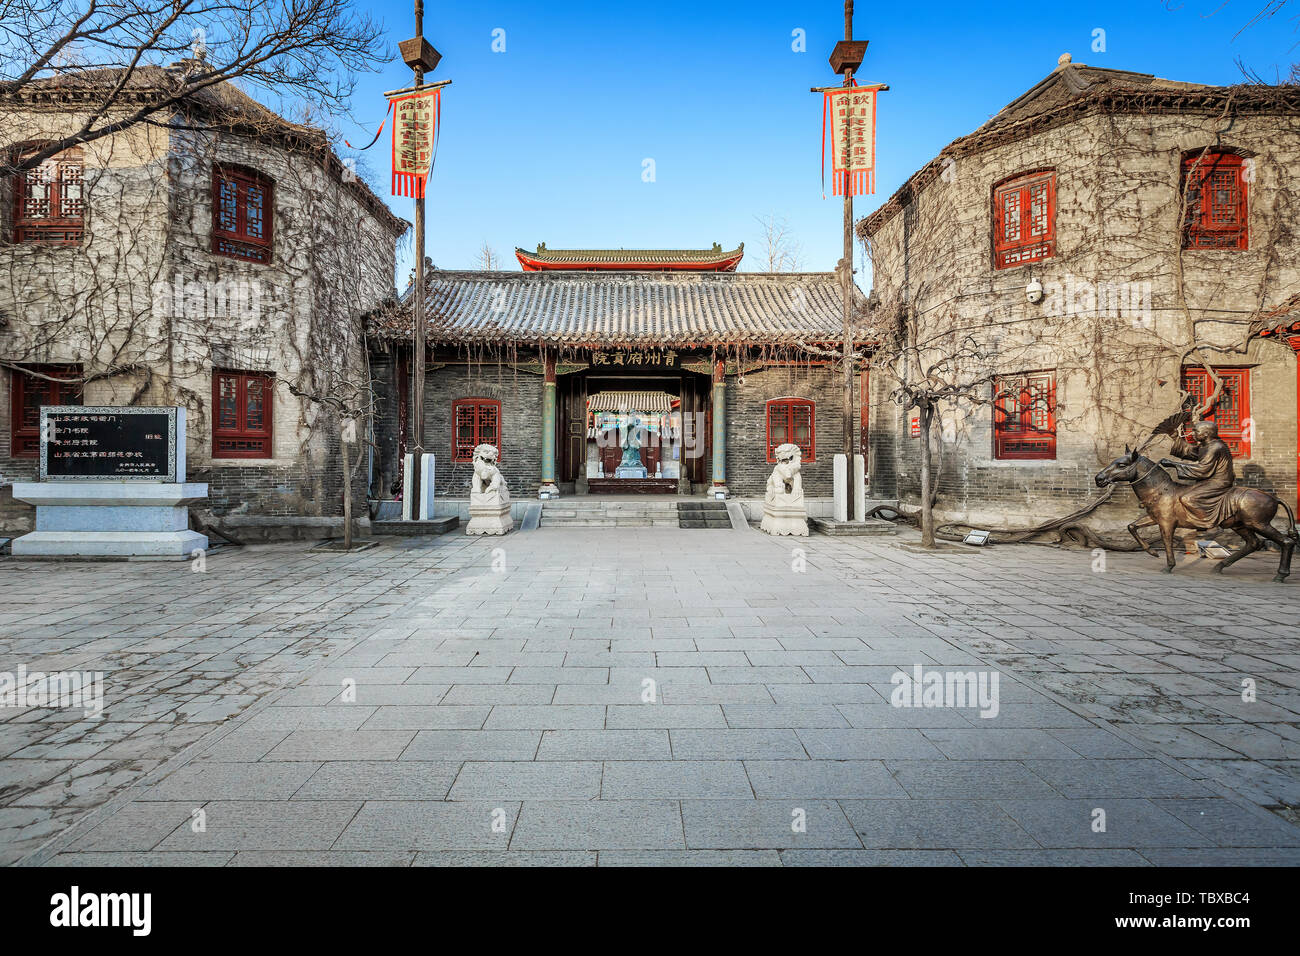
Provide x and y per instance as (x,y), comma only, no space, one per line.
(852,113)
(415,135)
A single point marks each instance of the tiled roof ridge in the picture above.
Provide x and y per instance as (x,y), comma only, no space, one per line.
(716,252)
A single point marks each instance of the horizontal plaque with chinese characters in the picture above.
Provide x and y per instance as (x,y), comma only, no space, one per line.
(109,443)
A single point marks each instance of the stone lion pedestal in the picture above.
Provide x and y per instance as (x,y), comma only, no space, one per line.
(489,498)
(784,511)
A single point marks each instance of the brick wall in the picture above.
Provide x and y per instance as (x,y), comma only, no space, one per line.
(747,465)
(383,372)
(311,486)
(520,394)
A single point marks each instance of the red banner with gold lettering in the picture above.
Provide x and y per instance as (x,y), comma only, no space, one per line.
(416,115)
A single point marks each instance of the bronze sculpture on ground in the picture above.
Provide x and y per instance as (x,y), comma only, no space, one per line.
(1212,501)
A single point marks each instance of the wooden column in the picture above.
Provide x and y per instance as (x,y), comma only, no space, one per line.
(719,427)
(548,487)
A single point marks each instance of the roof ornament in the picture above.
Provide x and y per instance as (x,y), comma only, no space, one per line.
(1064,60)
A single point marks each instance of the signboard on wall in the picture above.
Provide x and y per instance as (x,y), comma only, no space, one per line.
(916,428)
(110,443)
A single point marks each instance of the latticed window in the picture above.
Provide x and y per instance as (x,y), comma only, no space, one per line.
(1024,219)
(50,200)
(242,214)
(241,417)
(1215,185)
(791,421)
(1231,411)
(1024,416)
(475,421)
(27,393)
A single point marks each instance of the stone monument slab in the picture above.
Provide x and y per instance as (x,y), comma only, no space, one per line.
(112,485)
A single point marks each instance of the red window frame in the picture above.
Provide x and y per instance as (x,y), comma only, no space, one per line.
(1024,416)
(786,415)
(1231,411)
(26,396)
(474,422)
(1024,219)
(243,214)
(49,201)
(1222,222)
(242,406)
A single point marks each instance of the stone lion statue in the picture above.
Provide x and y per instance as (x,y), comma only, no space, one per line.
(487,476)
(783,505)
(785,483)
(489,498)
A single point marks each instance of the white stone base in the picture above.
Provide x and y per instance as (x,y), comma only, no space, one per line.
(158,545)
(785,519)
(110,519)
(488,514)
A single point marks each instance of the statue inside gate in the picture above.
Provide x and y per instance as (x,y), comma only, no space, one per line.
(784,511)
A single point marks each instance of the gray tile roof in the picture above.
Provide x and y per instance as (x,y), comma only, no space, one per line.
(627,308)
(646,402)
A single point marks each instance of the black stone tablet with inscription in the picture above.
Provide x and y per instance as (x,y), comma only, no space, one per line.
(88,443)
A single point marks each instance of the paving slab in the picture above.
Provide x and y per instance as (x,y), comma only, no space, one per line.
(501,719)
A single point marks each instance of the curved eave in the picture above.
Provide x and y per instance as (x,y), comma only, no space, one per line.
(436,336)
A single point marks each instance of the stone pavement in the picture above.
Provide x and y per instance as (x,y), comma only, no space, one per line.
(633,696)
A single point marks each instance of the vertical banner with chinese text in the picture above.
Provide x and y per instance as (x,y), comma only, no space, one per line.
(853,111)
(415,133)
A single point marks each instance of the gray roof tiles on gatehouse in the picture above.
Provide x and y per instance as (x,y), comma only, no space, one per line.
(627,308)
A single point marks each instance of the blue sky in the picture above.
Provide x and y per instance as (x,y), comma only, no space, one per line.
(545,142)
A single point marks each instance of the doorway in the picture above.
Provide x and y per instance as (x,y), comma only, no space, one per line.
(633,433)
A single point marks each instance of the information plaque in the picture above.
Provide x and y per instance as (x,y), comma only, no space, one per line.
(112,443)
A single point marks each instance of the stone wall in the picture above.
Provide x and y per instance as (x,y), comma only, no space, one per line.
(520,394)
(1118,367)
(387,466)
(747,464)
(144,299)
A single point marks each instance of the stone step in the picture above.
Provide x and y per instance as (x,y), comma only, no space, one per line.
(597,522)
(408,528)
(724,523)
(598,513)
(573,504)
(872,526)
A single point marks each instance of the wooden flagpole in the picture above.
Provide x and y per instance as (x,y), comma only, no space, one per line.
(422,58)
(417,314)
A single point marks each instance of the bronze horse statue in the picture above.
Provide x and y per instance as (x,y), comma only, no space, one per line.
(1247,511)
